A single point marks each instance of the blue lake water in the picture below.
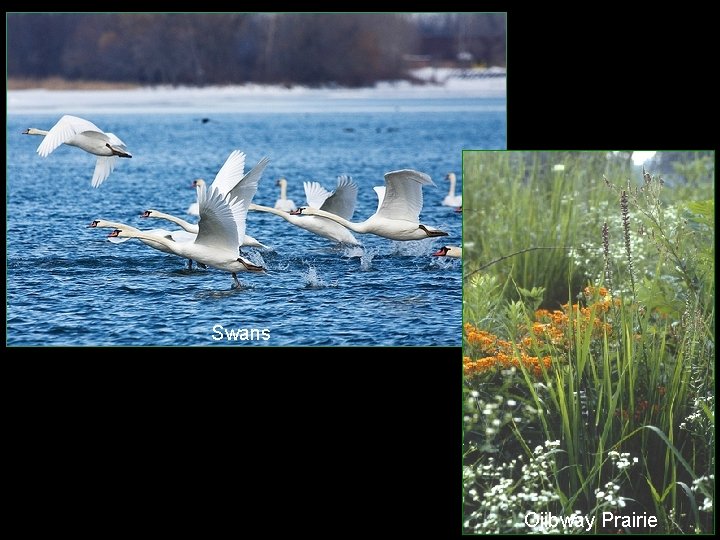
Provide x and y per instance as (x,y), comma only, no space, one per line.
(67,285)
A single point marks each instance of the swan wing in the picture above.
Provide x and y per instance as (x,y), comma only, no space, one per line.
(246,188)
(114,140)
(315,194)
(66,128)
(342,201)
(96,135)
(103,168)
(230,173)
(403,195)
(380,192)
(219,220)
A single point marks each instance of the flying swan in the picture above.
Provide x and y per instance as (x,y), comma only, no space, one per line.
(398,213)
(230,182)
(82,133)
(341,202)
(222,221)
(177,236)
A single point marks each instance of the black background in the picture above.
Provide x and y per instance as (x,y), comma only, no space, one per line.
(339,440)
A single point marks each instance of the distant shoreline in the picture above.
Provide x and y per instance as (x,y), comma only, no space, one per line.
(419,78)
(102,98)
(57,83)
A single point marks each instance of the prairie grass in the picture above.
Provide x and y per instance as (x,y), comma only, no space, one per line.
(598,356)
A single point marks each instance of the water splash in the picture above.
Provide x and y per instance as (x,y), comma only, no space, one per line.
(313,281)
(444,263)
(366,260)
(353,251)
(412,248)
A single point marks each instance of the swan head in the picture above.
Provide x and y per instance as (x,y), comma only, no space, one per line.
(448,251)
(198,183)
(459,209)
(299,211)
(450,177)
(149,213)
(115,233)
(281,182)
(100,223)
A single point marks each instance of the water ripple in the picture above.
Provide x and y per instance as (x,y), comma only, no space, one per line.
(68,285)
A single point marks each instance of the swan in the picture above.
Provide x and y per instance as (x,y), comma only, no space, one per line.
(248,241)
(82,133)
(451,199)
(216,244)
(341,202)
(449,251)
(398,214)
(177,236)
(283,203)
(231,182)
(239,166)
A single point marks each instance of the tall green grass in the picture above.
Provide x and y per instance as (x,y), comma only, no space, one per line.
(636,380)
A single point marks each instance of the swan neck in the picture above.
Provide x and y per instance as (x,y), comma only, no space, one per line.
(452,186)
(116,225)
(145,236)
(283,190)
(177,221)
(357,227)
(276,211)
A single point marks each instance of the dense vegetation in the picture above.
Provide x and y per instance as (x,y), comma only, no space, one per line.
(198,49)
(589,364)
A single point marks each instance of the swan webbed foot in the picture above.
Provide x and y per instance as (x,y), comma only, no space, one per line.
(189,264)
(203,266)
(237,283)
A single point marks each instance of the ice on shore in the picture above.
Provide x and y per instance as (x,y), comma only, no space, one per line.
(254,98)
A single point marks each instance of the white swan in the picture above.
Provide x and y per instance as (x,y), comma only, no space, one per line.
(177,236)
(398,214)
(451,199)
(82,133)
(193,209)
(283,203)
(449,251)
(248,241)
(230,182)
(216,244)
(341,202)
(238,165)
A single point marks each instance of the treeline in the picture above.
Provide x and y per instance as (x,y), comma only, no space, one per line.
(199,49)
